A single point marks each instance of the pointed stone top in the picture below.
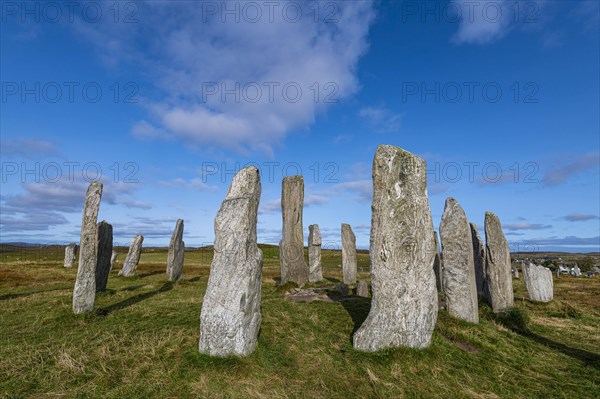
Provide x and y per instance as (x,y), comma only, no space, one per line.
(451,201)
(492,221)
(245,182)
(314,235)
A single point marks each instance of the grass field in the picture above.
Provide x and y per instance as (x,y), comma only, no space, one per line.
(142,340)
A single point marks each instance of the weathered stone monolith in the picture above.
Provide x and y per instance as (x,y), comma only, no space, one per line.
(576,271)
(230,317)
(437,265)
(113,259)
(362,288)
(70,251)
(515,272)
(315,269)
(404,301)
(460,288)
(348,254)
(538,280)
(479,260)
(84,293)
(105,250)
(291,247)
(176,253)
(498,283)
(133,257)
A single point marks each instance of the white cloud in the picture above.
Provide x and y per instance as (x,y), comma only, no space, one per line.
(482,22)
(195,183)
(27,148)
(525,226)
(184,50)
(381,119)
(562,173)
(579,217)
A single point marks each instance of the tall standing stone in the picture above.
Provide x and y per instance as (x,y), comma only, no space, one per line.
(479,260)
(105,250)
(113,259)
(348,254)
(133,256)
(70,251)
(84,293)
(176,253)
(499,288)
(437,265)
(404,301)
(230,317)
(460,288)
(515,272)
(538,280)
(315,269)
(291,247)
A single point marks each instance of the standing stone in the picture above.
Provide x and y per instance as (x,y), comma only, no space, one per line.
(315,269)
(230,316)
(499,288)
(113,259)
(105,245)
(362,288)
(404,301)
(577,271)
(437,265)
(516,272)
(348,254)
(538,280)
(291,247)
(460,287)
(558,272)
(70,251)
(479,259)
(133,256)
(84,293)
(176,253)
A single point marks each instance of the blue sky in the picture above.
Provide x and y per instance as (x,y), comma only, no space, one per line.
(165,100)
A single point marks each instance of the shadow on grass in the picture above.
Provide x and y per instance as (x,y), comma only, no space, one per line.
(23,294)
(333,280)
(517,320)
(588,358)
(133,300)
(142,275)
(358,308)
(193,280)
(133,287)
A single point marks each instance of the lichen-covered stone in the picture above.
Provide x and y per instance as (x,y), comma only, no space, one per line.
(105,250)
(176,253)
(113,259)
(460,288)
(315,269)
(539,283)
(70,251)
(479,260)
(404,301)
(362,288)
(291,250)
(230,317)
(498,283)
(133,257)
(84,293)
(348,254)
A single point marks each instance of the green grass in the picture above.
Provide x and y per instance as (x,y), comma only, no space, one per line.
(142,340)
